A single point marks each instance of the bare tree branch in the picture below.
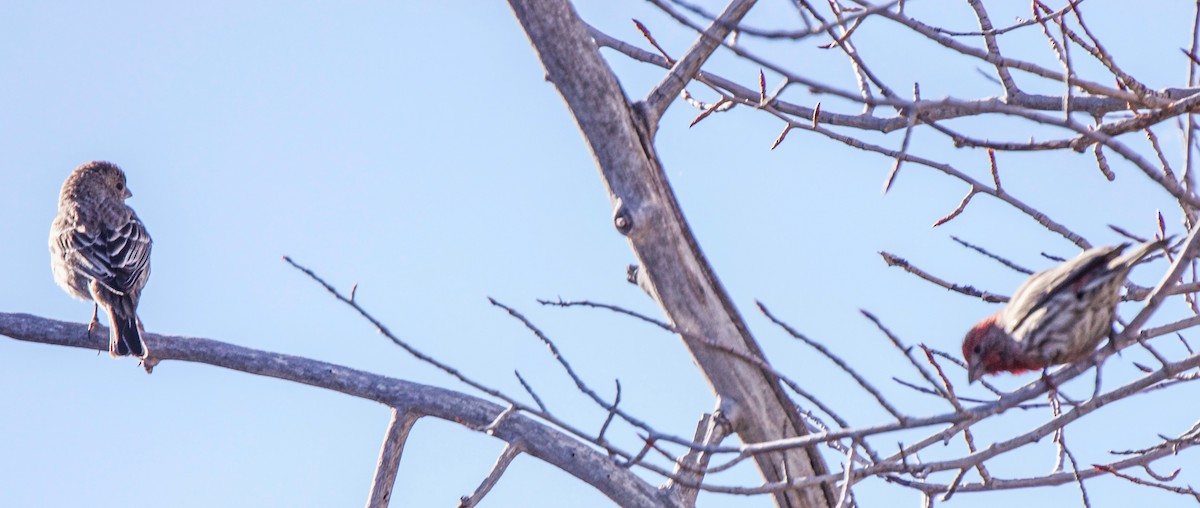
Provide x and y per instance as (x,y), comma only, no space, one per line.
(690,469)
(647,213)
(542,441)
(389,457)
(510,452)
(687,66)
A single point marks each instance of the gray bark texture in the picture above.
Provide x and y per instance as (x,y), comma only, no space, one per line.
(539,440)
(620,135)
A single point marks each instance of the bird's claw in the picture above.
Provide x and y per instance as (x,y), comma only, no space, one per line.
(94,322)
(1049,383)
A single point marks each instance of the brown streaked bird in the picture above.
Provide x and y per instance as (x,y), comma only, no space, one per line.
(1057,316)
(100,251)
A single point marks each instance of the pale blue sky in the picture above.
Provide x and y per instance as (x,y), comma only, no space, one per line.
(415,148)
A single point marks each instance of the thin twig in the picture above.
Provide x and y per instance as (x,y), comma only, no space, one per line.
(529,389)
(506,457)
(907,352)
(608,419)
(837,361)
(1002,260)
(894,260)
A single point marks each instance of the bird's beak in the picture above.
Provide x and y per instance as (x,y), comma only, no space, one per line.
(128,193)
(974,372)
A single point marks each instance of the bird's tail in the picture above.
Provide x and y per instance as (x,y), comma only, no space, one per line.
(1128,259)
(125,335)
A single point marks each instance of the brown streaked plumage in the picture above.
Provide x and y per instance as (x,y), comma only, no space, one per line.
(1057,316)
(100,251)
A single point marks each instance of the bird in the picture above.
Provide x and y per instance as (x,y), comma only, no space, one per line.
(1057,316)
(100,251)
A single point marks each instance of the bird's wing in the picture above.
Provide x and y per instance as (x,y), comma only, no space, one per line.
(129,250)
(117,258)
(1064,279)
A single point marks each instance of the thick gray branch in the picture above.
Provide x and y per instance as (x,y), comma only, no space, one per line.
(710,431)
(389,457)
(646,212)
(539,440)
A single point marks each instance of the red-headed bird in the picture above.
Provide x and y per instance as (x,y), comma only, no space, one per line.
(100,251)
(1057,316)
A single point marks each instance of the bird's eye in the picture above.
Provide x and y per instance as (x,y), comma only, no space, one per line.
(120,185)
(978,348)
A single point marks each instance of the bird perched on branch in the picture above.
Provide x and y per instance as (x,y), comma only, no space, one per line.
(1057,316)
(100,251)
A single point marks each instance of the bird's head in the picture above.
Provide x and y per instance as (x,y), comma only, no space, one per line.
(107,177)
(984,349)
